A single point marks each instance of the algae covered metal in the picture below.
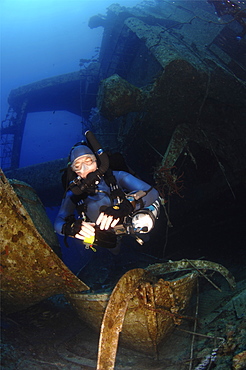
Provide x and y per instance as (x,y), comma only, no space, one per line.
(30,269)
(145,306)
(145,310)
(142,307)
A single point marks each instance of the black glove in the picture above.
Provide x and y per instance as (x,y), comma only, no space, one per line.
(105,238)
(120,210)
(72,226)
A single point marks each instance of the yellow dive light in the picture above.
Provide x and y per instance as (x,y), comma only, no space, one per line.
(90,239)
(89,243)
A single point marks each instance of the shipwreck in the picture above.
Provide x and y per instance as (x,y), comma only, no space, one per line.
(167,89)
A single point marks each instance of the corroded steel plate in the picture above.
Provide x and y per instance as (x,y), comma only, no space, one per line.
(30,270)
(141,307)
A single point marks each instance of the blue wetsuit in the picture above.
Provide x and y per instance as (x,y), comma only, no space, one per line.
(127,182)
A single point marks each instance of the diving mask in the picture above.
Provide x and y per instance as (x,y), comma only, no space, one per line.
(83,163)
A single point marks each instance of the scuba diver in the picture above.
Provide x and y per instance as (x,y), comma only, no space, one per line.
(109,204)
(229,7)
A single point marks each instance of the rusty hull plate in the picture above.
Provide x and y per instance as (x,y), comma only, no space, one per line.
(30,270)
(144,312)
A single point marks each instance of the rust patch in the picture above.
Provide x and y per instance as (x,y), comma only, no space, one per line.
(17,236)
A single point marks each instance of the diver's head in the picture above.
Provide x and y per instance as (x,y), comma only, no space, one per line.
(83,161)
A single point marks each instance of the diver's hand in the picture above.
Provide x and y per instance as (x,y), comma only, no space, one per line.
(105,222)
(86,231)
(110,216)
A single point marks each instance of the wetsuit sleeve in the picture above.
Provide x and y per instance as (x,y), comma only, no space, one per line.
(67,208)
(130,183)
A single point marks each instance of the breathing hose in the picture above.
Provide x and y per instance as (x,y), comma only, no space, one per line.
(104,161)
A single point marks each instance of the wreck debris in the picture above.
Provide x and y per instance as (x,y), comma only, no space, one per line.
(31,202)
(30,270)
(90,306)
(185,264)
(141,298)
(165,48)
(114,317)
(97,21)
(145,309)
(117,97)
(239,361)
(46,183)
(153,296)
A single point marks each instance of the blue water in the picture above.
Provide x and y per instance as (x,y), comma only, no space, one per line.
(45,38)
